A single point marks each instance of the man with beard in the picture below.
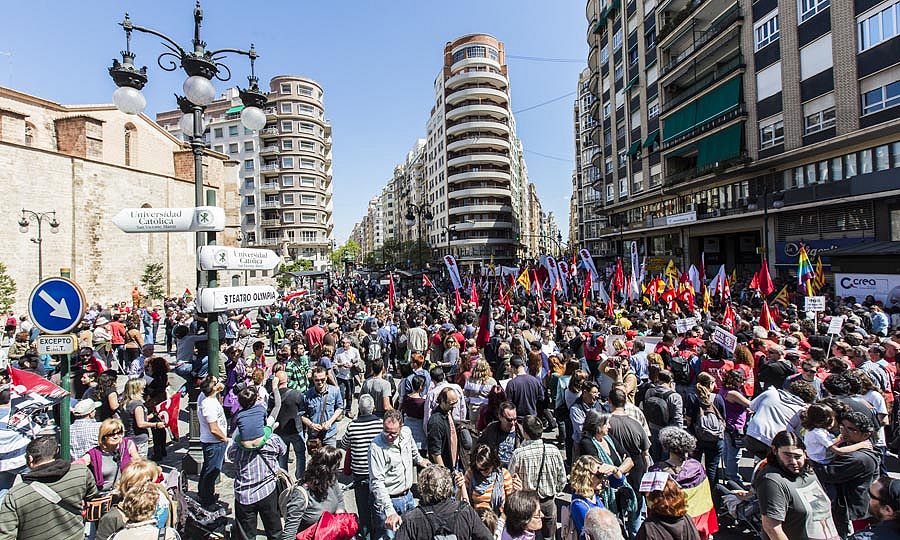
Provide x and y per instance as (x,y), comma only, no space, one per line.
(791,500)
(884,509)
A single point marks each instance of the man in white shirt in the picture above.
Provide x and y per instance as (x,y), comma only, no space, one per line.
(345,358)
(213,438)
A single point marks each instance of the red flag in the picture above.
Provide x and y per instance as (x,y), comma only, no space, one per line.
(295,294)
(26,382)
(168,413)
(586,291)
(619,278)
(610,309)
(391,291)
(473,295)
(765,318)
(726,290)
(553,307)
(764,280)
(426,282)
(538,288)
(687,296)
(458,307)
(504,298)
(728,319)
(668,296)
(754,282)
(484,322)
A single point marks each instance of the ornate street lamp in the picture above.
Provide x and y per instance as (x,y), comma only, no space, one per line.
(424,215)
(39,239)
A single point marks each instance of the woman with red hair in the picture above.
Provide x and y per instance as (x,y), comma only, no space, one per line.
(667,517)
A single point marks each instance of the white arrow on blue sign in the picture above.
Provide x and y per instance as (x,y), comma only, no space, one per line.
(56,305)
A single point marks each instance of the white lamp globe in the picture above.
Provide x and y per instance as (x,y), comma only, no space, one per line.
(199,90)
(187,125)
(129,100)
(253,118)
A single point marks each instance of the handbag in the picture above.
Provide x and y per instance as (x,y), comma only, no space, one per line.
(95,508)
(314,442)
(347,463)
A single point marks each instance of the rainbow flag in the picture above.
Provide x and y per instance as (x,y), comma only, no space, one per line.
(805,272)
(693,481)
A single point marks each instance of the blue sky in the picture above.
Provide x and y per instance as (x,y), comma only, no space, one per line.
(377,61)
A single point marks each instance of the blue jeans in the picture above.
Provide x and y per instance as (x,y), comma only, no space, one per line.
(401,506)
(346,386)
(296,440)
(711,454)
(213,458)
(732,455)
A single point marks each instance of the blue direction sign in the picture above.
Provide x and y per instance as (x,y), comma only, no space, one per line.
(56,305)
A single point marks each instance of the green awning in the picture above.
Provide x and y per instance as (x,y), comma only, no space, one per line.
(599,26)
(633,149)
(651,139)
(720,147)
(631,83)
(234,110)
(720,100)
(614,5)
(603,15)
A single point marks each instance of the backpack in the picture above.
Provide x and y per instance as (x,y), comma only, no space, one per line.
(444,530)
(709,426)
(373,349)
(656,408)
(285,496)
(680,364)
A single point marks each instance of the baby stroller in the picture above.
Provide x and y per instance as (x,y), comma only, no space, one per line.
(742,506)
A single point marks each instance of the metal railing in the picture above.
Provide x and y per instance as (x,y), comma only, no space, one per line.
(704,37)
(704,82)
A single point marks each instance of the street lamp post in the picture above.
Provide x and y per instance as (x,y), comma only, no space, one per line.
(39,240)
(200,65)
(423,214)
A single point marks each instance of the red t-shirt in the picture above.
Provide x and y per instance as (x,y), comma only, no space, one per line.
(117,333)
(314,335)
(716,368)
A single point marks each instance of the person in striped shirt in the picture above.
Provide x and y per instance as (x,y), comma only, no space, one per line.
(357,438)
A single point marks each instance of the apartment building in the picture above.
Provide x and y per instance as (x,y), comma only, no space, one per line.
(737,128)
(587,210)
(285,168)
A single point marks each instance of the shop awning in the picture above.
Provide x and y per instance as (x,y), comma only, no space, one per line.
(721,146)
(651,139)
(633,149)
(234,110)
(614,6)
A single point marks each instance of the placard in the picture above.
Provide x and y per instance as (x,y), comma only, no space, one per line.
(815,304)
(836,323)
(653,481)
(59,344)
(724,338)
(684,325)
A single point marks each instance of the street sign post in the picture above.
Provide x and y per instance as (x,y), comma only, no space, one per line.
(212,300)
(57,344)
(56,306)
(230,258)
(153,220)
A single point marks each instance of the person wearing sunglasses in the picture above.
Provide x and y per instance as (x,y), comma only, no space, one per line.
(884,509)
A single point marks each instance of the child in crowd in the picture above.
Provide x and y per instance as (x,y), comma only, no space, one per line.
(821,444)
(254,427)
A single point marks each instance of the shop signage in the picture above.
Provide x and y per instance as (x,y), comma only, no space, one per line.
(152,220)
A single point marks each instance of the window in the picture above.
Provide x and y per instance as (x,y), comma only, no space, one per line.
(617,40)
(849,165)
(129,140)
(816,57)
(881,158)
(808,8)
(287,162)
(307,181)
(308,217)
(609,165)
(609,192)
(606,109)
(286,88)
(305,90)
(653,109)
(819,121)
(307,164)
(623,158)
(303,108)
(249,200)
(218,133)
(620,130)
(249,182)
(306,127)
(307,199)
(285,107)
(287,180)
(771,134)
(619,72)
(837,169)
(287,217)
(865,162)
(251,219)
(881,98)
(307,145)
(633,56)
(248,146)
(878,27)
(768,81)
(604,53)
(287,198)
(623,187)
(287,126)
(233,148)
(232,131)
(766,30)
(219,148)
(895,153)
(287,144)
(248,164)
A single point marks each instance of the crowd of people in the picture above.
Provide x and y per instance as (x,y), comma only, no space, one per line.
(510,419)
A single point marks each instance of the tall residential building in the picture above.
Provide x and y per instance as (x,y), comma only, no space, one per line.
(588,211)
(475,175)
(727,126)
(285,178)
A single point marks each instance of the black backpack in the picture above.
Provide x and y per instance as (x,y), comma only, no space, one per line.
(656,408)
(681,368)
(444,529)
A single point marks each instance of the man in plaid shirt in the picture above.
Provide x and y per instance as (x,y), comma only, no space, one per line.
(85,429)
(297,368)
(540,467)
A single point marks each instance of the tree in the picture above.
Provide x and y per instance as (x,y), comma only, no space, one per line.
(7,290)
(284,279)
(350,248)
(152,280)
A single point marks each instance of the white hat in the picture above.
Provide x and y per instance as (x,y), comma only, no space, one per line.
(85,407)
(101,321)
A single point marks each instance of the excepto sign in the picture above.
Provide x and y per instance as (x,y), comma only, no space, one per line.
(62,344)
(230,258)
(685,325)
(815,304)
(836,323)
(725,338)
(151,220)
(56,305)
(210,300)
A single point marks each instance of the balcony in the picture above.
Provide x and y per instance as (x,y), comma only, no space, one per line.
(269,169)
(275,204)
(714,30)
(477,92)
(270,151)
(710,123)
(490,125)
(479,175)
(269,187)
(479,191)
(477,76)
(268,133)
(270,223)
(498,159)
(470,208)
(271,113)
(471,62)
(491,110)
(720,72)
(478,142)
(483,224)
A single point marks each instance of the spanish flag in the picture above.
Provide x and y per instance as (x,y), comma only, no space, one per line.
(692,480)
(782,297)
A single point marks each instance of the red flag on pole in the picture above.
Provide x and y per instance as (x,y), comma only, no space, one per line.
(618,279)
(728,319)
(504,298)
(26,382)
(168,413)
(426,282)
(610,309)
(458,307)
(553,307)
(473,295)
(484,322)
(586,291)
(764,280)
(391,291)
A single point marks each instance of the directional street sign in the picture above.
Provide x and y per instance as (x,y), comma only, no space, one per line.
(229,258)
(65,344)
(150,220)
(56,305)
(210,300)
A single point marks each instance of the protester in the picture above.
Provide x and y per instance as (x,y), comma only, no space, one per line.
(540,468)
(255,483)
(523,516)
(318,491)
(357,439)
(438,514)
(884,500)
(667,517)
